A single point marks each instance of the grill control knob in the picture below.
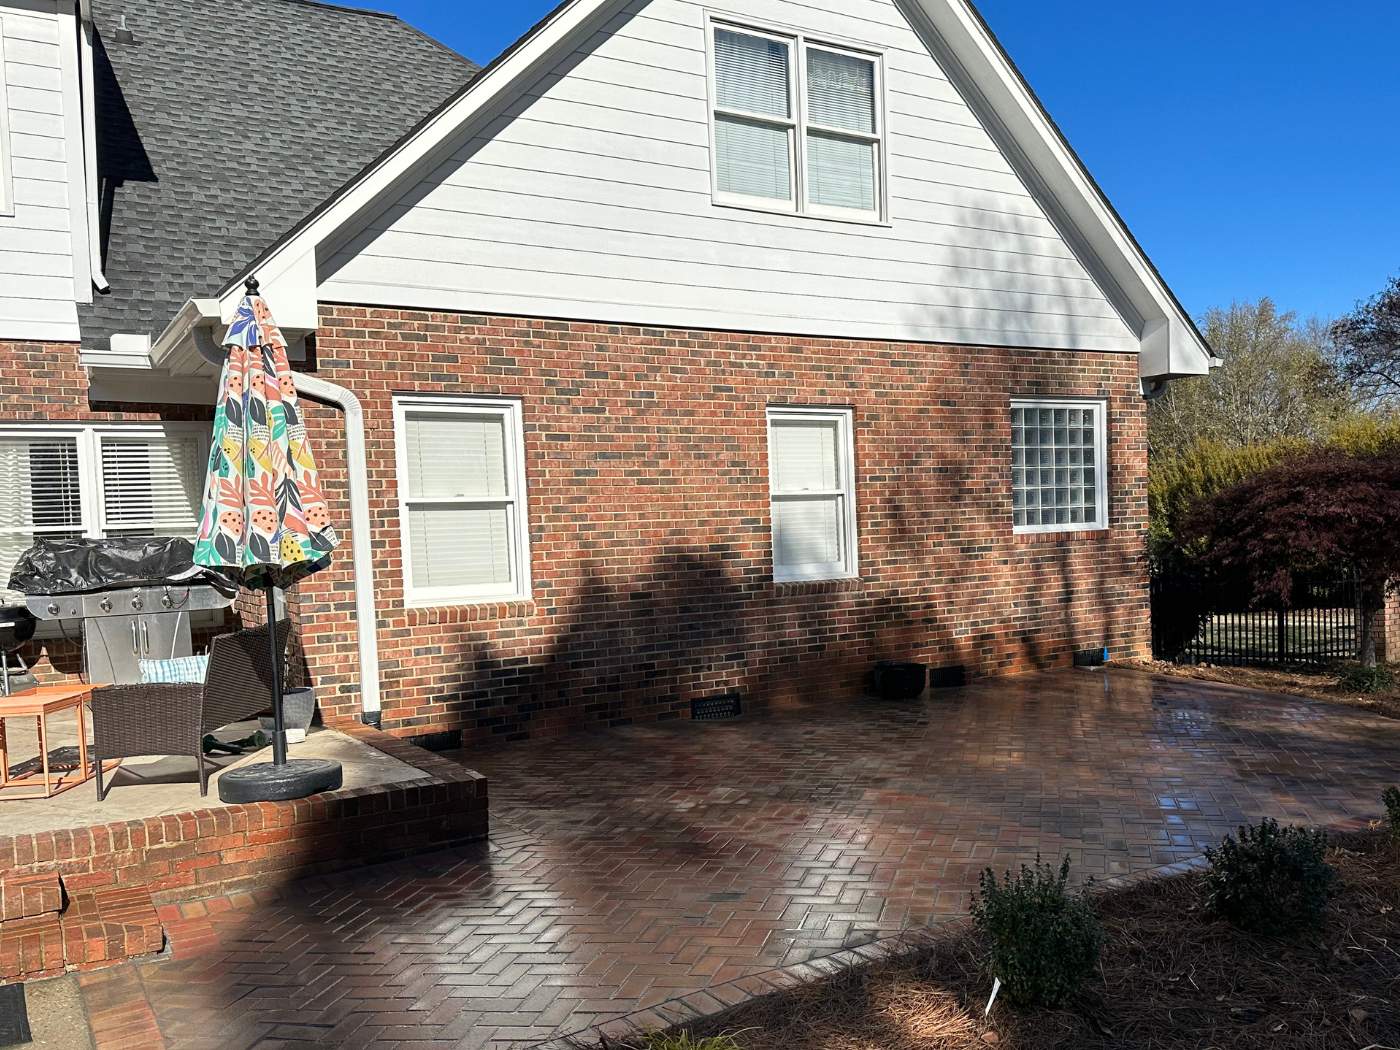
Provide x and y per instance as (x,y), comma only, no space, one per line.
(105,605)
(53,609)
(167,601)
(136,602)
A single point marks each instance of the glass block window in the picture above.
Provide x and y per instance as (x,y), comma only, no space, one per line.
(1058,466)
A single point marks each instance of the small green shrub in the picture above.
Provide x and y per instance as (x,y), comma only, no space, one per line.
(1269,879)
(1391,798)
(1367,680)
(684,1041)
(1043,940)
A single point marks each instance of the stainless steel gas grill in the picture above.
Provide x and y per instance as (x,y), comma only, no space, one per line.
(134,599)
(123,626)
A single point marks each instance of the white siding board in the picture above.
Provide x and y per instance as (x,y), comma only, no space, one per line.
(34,100)
(37,265)
(510,217)
(589,196)
(41,53)
(39,78)
(20,25)
(488,189)
(717,268)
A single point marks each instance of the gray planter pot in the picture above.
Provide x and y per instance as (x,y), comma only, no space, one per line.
(298,709)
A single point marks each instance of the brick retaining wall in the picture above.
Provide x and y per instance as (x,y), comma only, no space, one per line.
(208,852)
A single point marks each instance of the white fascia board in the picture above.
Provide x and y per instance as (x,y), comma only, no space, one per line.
(1171,345)
(283,272)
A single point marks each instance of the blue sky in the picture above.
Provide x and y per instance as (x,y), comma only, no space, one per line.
(1250,144)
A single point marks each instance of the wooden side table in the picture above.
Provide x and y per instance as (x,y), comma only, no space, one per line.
(39,704)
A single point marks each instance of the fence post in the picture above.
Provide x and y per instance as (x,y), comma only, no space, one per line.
(1283,636)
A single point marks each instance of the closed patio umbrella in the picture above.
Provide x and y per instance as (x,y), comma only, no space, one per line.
(265,520)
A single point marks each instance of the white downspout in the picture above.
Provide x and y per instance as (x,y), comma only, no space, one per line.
(357,470)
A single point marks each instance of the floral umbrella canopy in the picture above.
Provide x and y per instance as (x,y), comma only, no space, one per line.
(265,520)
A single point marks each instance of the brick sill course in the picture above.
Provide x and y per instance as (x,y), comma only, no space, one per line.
(212,852)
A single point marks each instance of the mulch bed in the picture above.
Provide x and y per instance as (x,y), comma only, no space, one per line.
(1308,682)
(1171,978)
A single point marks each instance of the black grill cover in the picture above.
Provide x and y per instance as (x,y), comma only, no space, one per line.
(83,566)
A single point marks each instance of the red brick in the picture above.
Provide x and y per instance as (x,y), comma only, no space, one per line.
(652,574)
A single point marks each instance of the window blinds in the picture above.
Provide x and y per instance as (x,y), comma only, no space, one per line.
(804,457)
(810,494)
(460,513)
(456,457)
(151,486)
(751,74)
(756,149)
(840,94)
(840,91)
(40,495)
(753,157)
(460,547)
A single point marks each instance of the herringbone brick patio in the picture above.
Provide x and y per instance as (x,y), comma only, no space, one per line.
(633,866)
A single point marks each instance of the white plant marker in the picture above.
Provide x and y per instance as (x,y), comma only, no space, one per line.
(996,990)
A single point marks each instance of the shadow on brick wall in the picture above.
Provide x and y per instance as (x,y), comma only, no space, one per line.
(689,627)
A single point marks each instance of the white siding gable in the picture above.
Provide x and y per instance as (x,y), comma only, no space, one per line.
(42,199)
(589,196)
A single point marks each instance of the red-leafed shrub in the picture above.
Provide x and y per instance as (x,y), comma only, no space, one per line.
(1325,511)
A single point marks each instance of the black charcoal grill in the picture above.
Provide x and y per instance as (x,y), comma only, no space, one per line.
(17,626)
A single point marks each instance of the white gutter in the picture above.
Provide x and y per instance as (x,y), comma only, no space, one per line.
(366,619)
(85,45)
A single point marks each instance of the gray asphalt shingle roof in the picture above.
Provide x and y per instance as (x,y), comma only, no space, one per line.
(222,123)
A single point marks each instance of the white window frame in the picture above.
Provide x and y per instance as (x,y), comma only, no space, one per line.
(798,43)
(1101,421)
(844,418)
(7,175)
(88,440)
(510,410)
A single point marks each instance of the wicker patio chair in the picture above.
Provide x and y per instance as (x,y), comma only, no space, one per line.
(131,721)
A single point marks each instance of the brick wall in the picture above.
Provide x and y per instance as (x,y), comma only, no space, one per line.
(44,382)
(1390,627)
(646,459)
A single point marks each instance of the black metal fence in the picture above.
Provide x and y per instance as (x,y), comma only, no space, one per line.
(1193,623)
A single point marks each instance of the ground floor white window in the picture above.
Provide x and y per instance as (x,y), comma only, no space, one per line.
(1059,466)
(811,470)
(97,481)
(461,481)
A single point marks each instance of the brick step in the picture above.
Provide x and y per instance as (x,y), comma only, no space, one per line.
(98,928)
(31,948)
(25,896)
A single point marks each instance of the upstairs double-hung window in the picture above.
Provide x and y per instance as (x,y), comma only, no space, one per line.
(797,125)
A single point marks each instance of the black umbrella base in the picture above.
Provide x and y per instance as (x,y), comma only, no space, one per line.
(266,782)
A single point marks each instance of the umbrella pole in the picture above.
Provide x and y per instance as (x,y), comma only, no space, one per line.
(279,730)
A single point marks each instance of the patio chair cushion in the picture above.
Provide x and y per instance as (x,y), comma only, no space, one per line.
(184,670)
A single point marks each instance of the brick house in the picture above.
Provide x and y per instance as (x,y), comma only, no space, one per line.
(683,350)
